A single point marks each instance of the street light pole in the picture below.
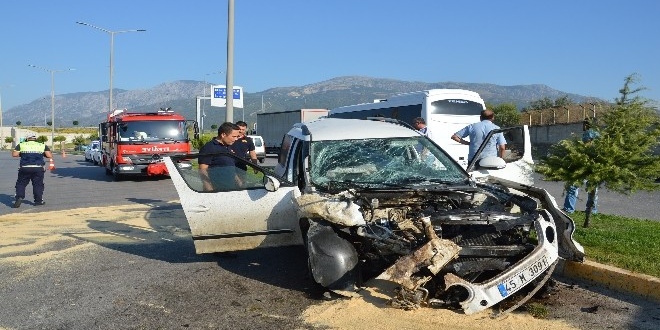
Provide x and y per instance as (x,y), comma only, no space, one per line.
(230,62)
(52,101)
(2,127)
(112,46)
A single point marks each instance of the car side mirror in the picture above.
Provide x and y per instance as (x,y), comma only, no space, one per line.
(271,184)
(492,162)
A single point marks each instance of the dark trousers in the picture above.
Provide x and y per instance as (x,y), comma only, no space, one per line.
(27,174)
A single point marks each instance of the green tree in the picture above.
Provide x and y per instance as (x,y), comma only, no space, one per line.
(506,114)
(203,139)
(18,123)
(8,140)
(49,123)
(214,126)
(60,139)
(75,123)
(42,139)
(563,101)
(621,158)
(547,103)
(79,140)
(541,104)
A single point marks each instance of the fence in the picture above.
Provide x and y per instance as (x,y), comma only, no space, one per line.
(564,114)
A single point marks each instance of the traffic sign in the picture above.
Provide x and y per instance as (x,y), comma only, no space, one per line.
(219,96)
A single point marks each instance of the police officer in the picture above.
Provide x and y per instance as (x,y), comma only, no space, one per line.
(31,168)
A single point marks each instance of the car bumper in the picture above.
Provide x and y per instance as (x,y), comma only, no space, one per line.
(488,293)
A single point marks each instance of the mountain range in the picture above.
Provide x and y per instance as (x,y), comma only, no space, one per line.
(90,108)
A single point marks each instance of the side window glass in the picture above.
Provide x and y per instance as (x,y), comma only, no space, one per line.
(515,144)
(241,176)
(284,150)
(297,170)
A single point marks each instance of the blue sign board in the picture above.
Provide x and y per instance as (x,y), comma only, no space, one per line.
(221,93)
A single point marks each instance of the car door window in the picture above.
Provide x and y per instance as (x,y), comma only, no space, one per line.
(244,175)
(515,144)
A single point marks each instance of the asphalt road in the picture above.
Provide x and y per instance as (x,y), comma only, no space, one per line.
(76,183)
(155,279)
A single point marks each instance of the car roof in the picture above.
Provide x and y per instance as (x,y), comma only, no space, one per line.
(325,129)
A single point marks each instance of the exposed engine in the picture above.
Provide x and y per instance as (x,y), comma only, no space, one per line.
(416,237)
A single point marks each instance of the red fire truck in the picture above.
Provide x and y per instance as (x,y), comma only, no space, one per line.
(134,143)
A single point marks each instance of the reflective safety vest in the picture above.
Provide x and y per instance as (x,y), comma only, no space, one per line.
(32,153)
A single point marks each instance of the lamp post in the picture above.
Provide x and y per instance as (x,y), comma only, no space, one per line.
(112,46)
(52,100)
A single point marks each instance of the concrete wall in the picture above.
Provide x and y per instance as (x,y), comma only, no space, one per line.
(550,134)
(543,137)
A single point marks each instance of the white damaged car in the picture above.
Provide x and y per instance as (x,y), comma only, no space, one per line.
(375,199)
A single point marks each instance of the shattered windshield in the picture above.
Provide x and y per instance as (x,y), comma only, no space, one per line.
(379,163)
(156,130)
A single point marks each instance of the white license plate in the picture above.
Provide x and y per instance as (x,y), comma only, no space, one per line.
(516,282)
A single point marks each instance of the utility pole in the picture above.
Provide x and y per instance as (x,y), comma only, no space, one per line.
(52,100)
(112,47)
(230,62)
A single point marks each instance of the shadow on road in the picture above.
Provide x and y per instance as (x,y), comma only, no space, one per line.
(167,238)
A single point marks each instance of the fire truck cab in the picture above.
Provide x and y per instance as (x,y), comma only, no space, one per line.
(135,143)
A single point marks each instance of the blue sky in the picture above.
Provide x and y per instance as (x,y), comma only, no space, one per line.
(583,47)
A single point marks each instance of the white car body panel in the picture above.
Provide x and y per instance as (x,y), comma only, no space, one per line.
(238,220)
(520,171)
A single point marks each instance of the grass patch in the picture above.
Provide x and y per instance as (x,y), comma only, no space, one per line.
(628,243)
(537,310)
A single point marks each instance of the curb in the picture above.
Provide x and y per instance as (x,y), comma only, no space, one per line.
(611,277)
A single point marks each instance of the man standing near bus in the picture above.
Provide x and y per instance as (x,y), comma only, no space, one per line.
(420,125)
(478,132)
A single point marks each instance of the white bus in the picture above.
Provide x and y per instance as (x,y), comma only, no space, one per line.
(445,111)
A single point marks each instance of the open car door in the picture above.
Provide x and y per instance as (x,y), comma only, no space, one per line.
(517,164)
(234,209)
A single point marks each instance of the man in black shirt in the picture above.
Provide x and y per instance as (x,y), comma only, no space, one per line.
(244,146)
(216,168)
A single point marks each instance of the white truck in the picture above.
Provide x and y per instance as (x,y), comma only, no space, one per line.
(272,126)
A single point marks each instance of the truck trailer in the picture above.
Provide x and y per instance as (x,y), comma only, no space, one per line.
(272,126)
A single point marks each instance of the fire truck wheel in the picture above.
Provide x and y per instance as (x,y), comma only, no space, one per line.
(115,174)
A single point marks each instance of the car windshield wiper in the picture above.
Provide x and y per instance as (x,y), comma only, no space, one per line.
(421,179)
(334,185)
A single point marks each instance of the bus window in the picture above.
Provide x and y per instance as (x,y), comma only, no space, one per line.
(456,107)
